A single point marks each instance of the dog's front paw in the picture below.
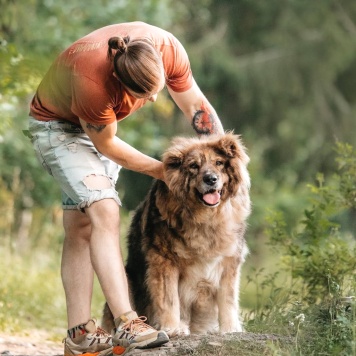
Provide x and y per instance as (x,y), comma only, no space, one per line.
(184,329)
(231,328)
(173,331)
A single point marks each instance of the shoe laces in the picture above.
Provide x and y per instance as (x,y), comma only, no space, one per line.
(137,325)
(101,332)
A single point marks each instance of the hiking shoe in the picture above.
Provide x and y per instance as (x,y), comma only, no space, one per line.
(132,332)
(88,340)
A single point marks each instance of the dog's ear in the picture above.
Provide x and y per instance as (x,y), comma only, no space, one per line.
(232,146)
(172,160)
(174,156)
(172,163)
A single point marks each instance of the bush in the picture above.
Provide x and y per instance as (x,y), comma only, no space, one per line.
(321,253)
(316,304)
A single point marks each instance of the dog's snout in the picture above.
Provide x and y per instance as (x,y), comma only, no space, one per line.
(210,179)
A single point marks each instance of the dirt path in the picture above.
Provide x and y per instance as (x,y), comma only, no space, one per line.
(36,344)
(40,344)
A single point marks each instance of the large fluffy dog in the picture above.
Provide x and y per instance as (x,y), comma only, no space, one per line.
(186,242)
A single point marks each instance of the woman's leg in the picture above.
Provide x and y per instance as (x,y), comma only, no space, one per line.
(92,243)
(77,270)
(106,255)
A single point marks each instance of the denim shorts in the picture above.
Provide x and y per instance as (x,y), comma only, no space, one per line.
(65,151)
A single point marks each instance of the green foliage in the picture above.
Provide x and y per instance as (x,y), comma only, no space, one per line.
(316,303)
(319,253)
(347,168)
(16,81)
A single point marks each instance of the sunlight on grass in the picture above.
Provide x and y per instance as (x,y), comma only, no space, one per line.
(31,291)
(32,296)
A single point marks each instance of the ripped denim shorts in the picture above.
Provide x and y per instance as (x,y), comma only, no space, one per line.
(65,151)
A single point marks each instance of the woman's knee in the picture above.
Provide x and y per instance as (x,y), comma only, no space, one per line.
(104,213)
(77,225)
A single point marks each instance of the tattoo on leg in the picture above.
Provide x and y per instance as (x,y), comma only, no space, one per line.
(97,128)
(204,122)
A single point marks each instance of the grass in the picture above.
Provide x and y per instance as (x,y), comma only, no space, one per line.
(31,291)
(325,327)
(32,296)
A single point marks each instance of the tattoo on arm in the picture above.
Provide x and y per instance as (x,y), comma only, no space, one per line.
(204,121)
(97,128)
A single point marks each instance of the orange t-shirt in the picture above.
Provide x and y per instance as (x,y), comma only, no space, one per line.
(80,82)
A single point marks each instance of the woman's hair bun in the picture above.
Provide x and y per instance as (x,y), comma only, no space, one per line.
(119,44)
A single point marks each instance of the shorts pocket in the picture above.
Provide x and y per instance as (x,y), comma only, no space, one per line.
(37,148)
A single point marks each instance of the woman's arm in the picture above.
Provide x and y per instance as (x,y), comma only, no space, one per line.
(198,110)
(105,141)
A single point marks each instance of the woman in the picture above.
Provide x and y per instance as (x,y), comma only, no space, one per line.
(96,82)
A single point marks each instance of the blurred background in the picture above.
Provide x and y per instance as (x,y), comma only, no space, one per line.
(280,73)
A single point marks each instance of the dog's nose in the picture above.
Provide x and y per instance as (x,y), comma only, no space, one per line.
(210,179)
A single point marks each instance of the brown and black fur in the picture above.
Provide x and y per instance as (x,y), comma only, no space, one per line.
(184,253)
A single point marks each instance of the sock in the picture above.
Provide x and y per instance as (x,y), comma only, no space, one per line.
(78,330)
(124,318)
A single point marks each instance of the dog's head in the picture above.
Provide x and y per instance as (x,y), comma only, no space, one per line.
(209,170)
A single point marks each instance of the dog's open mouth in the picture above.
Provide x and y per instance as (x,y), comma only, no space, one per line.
(211,197)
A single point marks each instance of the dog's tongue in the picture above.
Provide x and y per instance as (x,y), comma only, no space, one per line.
(211,198)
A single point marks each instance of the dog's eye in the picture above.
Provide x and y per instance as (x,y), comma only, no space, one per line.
(219,163)
(193,166)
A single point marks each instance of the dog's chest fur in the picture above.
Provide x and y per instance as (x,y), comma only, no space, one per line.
(201,273)
(206,243)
